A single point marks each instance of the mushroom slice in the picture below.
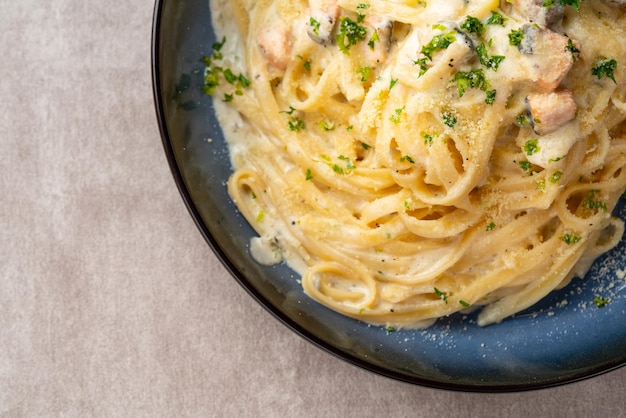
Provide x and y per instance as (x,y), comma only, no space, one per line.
(324,16)
(536,12)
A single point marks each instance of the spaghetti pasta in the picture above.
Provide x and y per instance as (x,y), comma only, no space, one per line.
(413,159)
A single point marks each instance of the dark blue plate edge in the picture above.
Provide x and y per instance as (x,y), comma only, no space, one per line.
(280,315)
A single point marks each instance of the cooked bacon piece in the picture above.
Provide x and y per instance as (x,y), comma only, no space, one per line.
(548,59)
(274,42)
(550,111)
(379,37)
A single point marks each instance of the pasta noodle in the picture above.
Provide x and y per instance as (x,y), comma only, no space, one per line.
(413,159)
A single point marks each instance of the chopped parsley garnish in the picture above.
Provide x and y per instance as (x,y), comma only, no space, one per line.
(364,72)
(516,36)
(244,81)
(570,239)
(473,25)
(496,19)
(326,125)
(305,63)
(490,96)
(390,328)
(449,119)
(360,16)
(556,177)
(571,47)
(470,79)
(407,158)
(350,32)
(423,66)
(541,184)
(336,167)
(296,124)
(521,119)
(372,42)
(441,295)
(531,146)
(217,47)
(490,227)
(589,202)
(213,75)
(574,3)
(289,111)
(315,26)
(397,114)
(309,174)
(604,67)
(428,138)
(365,146)
(492,62)
(211,81)
(229,76)
(525,165)
(464,304)
(392,82)
(600,301)
(438,43)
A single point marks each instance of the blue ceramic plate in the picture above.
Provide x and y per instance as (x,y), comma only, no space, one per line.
(563,339)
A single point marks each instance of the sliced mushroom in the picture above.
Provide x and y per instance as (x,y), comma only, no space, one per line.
(324,15)
(536,12)
(550,111)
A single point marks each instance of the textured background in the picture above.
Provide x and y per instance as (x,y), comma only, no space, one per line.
(111,303)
